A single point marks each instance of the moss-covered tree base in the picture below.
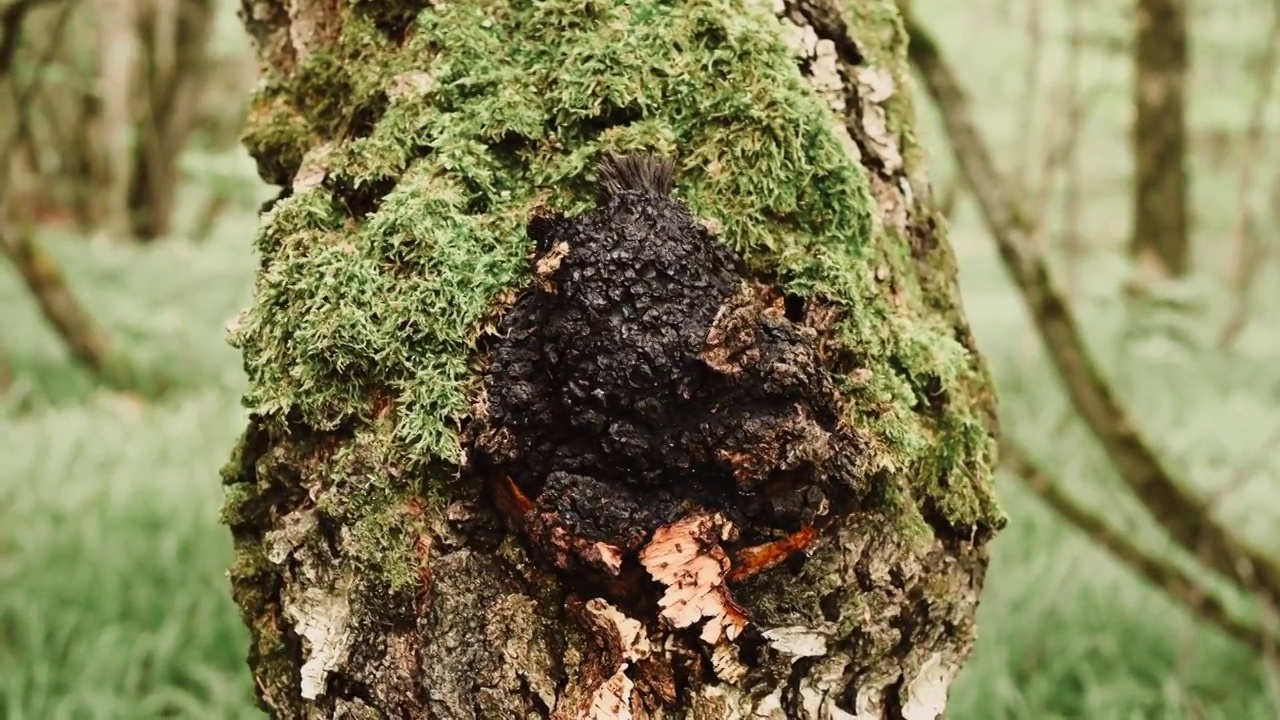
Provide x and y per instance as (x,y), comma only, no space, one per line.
(372,567)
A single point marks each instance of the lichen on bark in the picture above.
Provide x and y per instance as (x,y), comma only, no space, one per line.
(414,142)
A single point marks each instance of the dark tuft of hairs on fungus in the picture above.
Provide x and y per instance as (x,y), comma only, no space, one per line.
(637,173)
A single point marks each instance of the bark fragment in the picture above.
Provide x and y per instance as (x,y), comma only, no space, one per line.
(622,642)
(686,558)
(318,606)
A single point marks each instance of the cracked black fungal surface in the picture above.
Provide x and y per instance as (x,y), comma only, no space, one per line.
(640,378)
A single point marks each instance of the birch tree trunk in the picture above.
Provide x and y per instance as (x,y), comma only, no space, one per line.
(390,564)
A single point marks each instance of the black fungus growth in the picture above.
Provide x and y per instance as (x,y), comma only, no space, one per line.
(641,377)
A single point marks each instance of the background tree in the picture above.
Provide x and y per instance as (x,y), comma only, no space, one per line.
(118,90)
(414,143)
(39,272)
(1161,241)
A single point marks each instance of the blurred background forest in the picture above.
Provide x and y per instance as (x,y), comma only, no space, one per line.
(1126,586)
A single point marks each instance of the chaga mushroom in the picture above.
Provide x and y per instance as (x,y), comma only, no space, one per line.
(647,417)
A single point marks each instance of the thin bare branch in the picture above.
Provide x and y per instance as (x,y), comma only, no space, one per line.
(1072,207)
(1181,585)
(1182,514)
(11,19)
(42,277)
(23,96)
(1030,86)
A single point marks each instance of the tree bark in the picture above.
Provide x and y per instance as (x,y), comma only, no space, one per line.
(402,551)
(1160,243)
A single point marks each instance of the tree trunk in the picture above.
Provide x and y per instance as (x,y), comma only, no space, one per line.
(111,177)
(1160,243)
(738,466)
(174,71)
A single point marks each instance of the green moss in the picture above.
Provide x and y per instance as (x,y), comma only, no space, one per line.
(380,280)
(238,504)
(255,585)
(333,86)
(249,562)
(276,134)
(383,541)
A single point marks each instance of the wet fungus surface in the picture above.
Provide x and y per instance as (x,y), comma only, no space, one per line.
(643,380)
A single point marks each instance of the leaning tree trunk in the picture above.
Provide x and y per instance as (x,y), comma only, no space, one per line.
(447,505)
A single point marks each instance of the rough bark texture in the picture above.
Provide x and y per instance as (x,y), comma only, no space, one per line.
(1160,241)
(481,478)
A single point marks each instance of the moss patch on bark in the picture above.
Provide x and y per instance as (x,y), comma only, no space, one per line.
(415,158)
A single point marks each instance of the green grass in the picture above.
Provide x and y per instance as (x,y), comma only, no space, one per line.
(113,598)
(114,603)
